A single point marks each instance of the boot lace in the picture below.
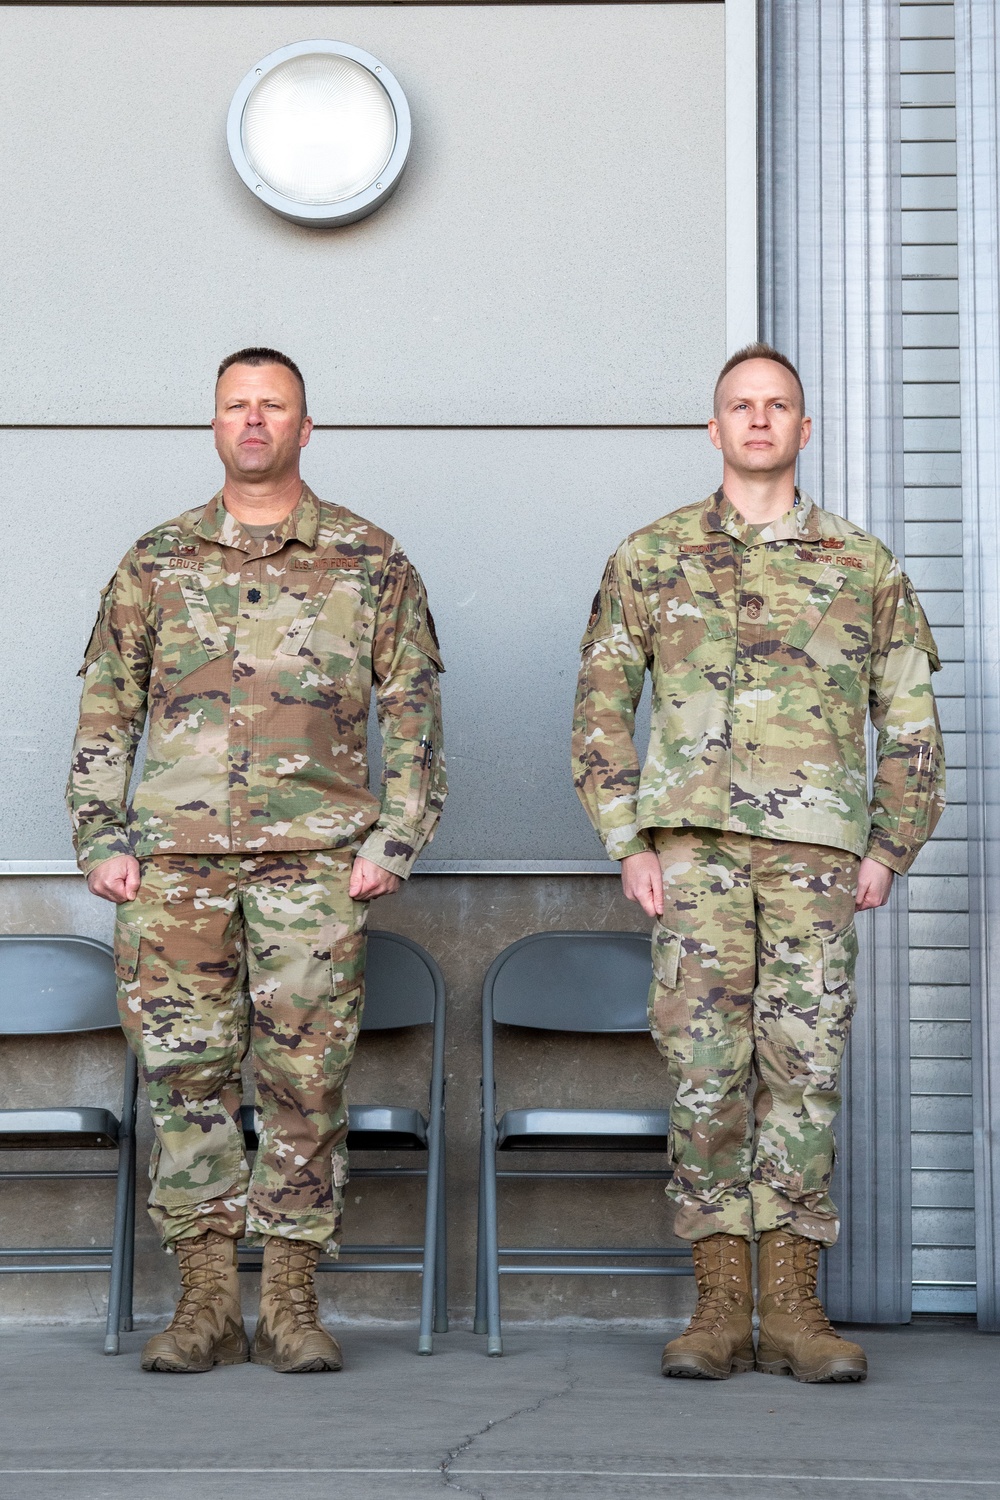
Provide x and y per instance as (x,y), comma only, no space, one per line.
(719,1286)
(795,1289)
(293,1284)
(199,1282)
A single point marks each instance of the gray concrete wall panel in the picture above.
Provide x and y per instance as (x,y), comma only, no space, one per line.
(555,252)
(510,530)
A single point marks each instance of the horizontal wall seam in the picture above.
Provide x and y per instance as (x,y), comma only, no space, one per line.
(369,426)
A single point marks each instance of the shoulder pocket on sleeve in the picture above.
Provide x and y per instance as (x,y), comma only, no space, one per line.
(100,635)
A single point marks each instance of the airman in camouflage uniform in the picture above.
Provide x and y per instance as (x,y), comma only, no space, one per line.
(248,851)
(769,643)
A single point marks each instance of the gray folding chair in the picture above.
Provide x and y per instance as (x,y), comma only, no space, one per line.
(591,982)
(403,987)
(50,986)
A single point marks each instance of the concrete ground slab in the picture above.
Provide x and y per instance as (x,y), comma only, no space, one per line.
(563,1413)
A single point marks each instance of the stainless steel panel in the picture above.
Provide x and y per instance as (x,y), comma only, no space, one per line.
(944,1265)
(929,227)
(940,893)
(930,364)
(922,56)
(945,1002)
(928,966)
(936,1189)
(940,1076)
(927,88)
(926,20)
(933,539)
(928,192)
(977,27)
(831,287)
(954,822)
(935,503)
(956,1301)
(952,713)
(939,929)
(933,434)
(928,573)
(942,400)
(927,158)
(943,609)
(956,779)
(932,468)
(945,858)
(944,1226)
(954,744)
(942,1152)
(942,1112)
(928,124)
(947,1039)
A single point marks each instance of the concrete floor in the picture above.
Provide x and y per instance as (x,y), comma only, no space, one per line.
(575,1413)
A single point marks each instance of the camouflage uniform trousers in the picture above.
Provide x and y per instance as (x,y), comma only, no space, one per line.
(218,954)
(753,966)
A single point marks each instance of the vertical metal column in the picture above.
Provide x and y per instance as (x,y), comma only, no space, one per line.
(977,62)
(831,299)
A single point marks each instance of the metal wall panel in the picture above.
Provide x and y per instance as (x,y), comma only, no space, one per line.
(831,298)
(978,71)
(556,251)
(940,1039)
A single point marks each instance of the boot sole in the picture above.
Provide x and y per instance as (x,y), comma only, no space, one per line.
(225,1354)
(834,1372)
(307,1367)
(692,1369)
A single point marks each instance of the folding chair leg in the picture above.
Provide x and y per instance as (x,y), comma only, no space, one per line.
(432,1216)
(119,1248)
(494,1343)
(479,1326)
(441,1268)
(129,1246)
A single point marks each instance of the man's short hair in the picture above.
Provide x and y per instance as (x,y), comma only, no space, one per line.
(758,351)
(264,357)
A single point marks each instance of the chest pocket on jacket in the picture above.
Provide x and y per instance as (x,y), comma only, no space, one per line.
(188,633)
(331,624)
(692,613)
(830,626)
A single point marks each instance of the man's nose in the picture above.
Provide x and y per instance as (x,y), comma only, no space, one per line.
(254,418)
(759,418)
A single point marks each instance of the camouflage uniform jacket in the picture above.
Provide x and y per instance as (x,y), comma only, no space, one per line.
(767,648)
(255,661)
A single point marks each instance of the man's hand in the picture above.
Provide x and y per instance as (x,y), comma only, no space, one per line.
(874,885)
(116,879)
(369,880)
(643,882)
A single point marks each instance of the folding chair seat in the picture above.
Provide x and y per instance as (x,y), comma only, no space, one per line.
(403,988)
(51,986)
(570,982)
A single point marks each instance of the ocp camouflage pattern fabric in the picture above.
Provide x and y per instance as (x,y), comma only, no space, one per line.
(753,978)
(767,647)
(256,660)
(207,938)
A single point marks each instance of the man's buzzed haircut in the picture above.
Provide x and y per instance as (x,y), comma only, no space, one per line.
(758,351)
(264,357)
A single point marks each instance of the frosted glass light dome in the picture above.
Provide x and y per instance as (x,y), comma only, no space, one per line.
(320,131)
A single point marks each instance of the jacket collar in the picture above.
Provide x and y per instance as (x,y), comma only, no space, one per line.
(301,524)
(801,523)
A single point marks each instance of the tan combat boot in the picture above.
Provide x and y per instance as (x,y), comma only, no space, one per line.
(207,1328)
(719,1338)
(796,1337)
(289,1337)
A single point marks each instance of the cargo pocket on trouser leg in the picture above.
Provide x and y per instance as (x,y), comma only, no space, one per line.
(665,1009)
(127,941)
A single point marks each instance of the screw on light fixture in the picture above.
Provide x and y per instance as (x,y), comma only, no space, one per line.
(320,132)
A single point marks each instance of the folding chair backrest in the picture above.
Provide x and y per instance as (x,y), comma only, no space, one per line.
(56,984)
(573,981)
(400,983)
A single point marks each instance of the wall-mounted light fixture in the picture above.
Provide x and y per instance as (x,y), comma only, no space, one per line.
(320,132)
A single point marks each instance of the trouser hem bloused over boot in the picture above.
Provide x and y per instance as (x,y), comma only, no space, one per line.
(753,965)
(218,955)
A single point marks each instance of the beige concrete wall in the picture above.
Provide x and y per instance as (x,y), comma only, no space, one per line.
(464,921)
